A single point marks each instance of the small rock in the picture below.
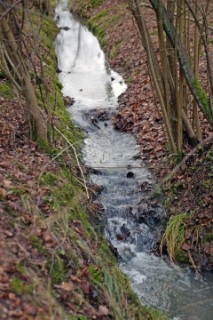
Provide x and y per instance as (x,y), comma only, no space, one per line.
(130,174)
(69,101)
(58,70)
(66,28)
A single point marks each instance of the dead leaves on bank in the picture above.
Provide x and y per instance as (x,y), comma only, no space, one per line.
(37,252)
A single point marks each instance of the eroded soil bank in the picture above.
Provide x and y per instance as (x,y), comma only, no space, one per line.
(188,195)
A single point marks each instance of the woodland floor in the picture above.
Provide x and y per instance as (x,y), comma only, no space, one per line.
(53,265)
(190,191)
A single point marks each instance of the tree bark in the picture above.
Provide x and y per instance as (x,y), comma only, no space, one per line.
(17,64)
(184,62)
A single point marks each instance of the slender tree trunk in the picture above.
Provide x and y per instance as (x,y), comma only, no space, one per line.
(154,68)
(184,61)
(34,113)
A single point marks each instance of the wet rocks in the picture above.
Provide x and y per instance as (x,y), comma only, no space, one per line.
(97,189)
(130,174)
(58,70)
(65,28)
(69,101)
(124,234)
(99,114)
(146,186)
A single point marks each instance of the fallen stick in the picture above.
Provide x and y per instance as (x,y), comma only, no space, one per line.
(192,262)
(179,165)
(76,156)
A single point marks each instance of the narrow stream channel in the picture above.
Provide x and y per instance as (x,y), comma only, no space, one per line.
(133,219)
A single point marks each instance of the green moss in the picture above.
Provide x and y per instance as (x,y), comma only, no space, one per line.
(96,3)
(179,156)
(18,191)
(37,243)
(57,270)
(99,23)
(20,267)
(209,237)
(48,179)
(19,287)
(181,256)
(79,317)
(64,196)
(96,275)
(112,21)
(6,90)
(2,75)
(99,15)
(44,145)
(98,31)
(59,85)
(202,97)
(115,51)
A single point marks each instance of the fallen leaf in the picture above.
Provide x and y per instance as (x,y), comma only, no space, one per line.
(103,311)
(3,192)
(66,286)
(47,236)
(186,247)
(6,183)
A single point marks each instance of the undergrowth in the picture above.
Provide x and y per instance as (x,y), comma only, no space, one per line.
(173,237)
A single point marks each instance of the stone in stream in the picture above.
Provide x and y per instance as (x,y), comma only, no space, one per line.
(130,174)
(69,101)
(65,28)
(58,70)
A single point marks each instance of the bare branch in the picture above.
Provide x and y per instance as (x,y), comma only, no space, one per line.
(9,9)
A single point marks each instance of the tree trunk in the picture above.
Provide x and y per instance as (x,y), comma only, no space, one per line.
(17,64)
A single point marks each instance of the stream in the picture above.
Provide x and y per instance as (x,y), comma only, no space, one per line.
(133,219)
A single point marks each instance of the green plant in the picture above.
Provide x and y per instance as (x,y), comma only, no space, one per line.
(57,270)
(114,52)
(37,243)
(19,287)
(48,179)
(6,90)
(174,235)
(96,3)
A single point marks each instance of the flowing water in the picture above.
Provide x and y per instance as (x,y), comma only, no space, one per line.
(133,219)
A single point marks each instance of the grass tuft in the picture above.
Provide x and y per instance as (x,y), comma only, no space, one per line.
(173,237)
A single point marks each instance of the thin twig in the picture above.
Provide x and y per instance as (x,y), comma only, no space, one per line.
(9,9)
(175,170)
(76,156)
(192,262)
